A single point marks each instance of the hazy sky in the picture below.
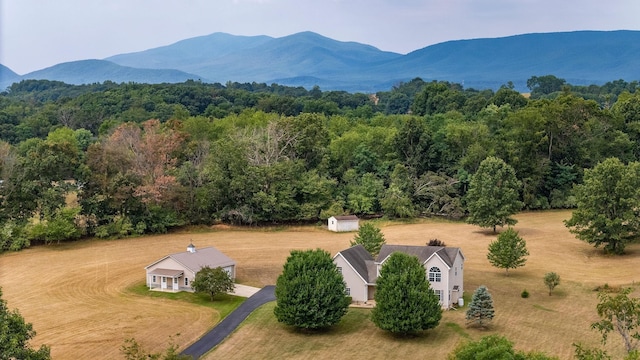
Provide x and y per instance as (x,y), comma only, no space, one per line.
(35,34)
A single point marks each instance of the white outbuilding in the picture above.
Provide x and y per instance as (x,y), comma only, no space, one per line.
(176,272)
(343,223)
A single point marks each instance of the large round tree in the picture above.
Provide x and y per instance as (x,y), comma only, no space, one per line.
(405,303)
(608,200)
(493,194)
(310,292)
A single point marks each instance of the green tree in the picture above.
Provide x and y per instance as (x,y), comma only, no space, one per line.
(493,347)
(132,350)
(212,281)
(480,310)
(405,303)
(608,205)
(544,85)
(15,334)
(551,280)
(621,313)
(493,194)
(310,292)
(584,353)
(370,237)
(509,251)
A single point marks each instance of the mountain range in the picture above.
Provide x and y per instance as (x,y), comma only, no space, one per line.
(308,59)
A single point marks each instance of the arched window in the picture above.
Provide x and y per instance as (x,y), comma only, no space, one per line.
(435,275)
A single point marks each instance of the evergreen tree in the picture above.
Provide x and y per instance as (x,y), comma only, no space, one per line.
(310,292)
(405,303)
(509,251)
(480,310)
(370,237)
(493,194)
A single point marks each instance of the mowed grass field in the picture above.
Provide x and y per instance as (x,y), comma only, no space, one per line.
(79,300)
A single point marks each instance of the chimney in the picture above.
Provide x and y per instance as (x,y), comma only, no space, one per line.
(191,248)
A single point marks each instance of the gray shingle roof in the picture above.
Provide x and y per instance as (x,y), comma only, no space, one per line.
(195,261)
(346,217)
(448,254)
(361,261)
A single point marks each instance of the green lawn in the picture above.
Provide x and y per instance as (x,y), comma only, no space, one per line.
(223,303)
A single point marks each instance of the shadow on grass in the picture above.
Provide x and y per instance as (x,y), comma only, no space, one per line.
(223,303)
(351,323)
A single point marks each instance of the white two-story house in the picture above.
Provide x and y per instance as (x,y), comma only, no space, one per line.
(444,268)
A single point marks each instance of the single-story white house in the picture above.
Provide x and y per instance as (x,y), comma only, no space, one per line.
(343,223)
(175,272)
(443,266)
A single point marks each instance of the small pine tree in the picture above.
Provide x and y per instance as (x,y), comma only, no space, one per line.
(552,280)
(405,303)
(509,251)
(370,237)
(480,310)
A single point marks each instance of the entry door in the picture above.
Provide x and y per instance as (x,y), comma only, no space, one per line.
(164,283)
(175,283)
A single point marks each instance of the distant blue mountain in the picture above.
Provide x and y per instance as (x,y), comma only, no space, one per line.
(223,57)
(92,71)
(308,59)
(7,77)
(581,57)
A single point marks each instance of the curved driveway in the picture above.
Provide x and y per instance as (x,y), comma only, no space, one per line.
(228,324)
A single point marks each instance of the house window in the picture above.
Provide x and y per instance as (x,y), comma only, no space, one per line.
(456,271)
(435,275)
(153,278)
(340,269)
(439,294)
(164,279)
(347,291)
(186,281)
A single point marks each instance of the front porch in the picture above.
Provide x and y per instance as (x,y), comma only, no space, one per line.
(166,280)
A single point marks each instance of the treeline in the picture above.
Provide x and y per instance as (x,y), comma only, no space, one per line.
(118,159)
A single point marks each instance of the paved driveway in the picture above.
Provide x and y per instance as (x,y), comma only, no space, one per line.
(244,290)
(230,323)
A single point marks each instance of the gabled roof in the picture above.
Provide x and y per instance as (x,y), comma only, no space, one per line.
(194,261)
(361,261)
(423,253)
(345,217)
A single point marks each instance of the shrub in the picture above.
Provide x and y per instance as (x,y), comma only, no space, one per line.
(405,303)
(310,292)
(436,242)
(524,294)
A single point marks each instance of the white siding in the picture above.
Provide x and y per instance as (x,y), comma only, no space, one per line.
(353,281)
(342,225)
(443,284)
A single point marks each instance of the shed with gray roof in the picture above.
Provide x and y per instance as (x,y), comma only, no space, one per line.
(343,223)
(176,272)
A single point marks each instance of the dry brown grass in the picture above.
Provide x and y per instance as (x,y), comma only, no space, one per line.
(75,295)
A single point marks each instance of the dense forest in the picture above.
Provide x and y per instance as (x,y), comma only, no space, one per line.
(113,160)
